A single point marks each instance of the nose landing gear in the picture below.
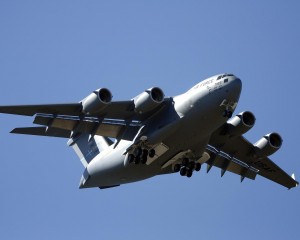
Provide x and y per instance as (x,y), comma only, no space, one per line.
(227,113)
(228,108)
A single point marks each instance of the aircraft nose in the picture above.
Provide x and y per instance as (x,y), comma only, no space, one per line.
(237,84)
(234,88)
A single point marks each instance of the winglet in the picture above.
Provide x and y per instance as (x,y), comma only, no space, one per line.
(294,177)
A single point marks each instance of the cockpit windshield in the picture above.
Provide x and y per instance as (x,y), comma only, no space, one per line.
(224,75)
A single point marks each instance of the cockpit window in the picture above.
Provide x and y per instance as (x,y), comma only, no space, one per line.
(225,75)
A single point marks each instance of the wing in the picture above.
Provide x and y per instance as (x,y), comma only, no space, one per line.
(120,109)
(226,149)
(43,131)
(30,110)
(117,120)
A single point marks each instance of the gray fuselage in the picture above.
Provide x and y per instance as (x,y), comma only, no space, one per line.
(184,125)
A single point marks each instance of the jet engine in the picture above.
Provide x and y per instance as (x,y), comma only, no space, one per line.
(268,144)
(240,124)
(96,101)
(148,100)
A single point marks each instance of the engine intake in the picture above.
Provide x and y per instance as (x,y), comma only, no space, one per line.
(268,144)
(148,100)
(96,101)
(240,124)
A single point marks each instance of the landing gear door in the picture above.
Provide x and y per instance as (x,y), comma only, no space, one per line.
(160,149)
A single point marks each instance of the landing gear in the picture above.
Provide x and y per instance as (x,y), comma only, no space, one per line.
(227,113)
(189,173)
(137,160)
(183,171)
(176,167)
(197,167)
(140,155)
(151,153)
(228,108)
(144,159)
(187,167)
(131,158)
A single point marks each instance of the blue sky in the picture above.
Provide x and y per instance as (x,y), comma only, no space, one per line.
(60,51)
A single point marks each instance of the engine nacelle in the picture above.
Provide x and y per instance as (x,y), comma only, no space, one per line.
(268,145)
(96,101)
(148,100)
(240,124)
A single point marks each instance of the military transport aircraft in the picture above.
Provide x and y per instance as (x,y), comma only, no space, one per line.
(121,142)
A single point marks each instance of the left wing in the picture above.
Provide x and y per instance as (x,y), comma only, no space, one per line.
(237,148)
(116,110)
(30,110)
(118,119)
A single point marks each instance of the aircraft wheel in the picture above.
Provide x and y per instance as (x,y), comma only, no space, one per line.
(176,168)
(137,160)
(130,158)
(145,152)
(225,113)
(189,173)
(191,165)
(197,167)
(138,152)
(151,153)
(183,171)
(185,162)
(229,114)
(144,159)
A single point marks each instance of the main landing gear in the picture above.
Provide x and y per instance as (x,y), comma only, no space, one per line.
(140,155)
(187,167)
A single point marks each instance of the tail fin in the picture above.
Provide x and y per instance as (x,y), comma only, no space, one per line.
(87,148)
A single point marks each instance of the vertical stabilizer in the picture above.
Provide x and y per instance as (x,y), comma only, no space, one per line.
(87,147)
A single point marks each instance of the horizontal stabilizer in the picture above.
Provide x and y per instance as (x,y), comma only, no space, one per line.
(43,131)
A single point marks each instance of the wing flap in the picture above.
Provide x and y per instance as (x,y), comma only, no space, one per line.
(95,126)
(230,164)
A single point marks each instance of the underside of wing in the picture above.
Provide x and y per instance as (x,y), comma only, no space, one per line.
(239,149)
(227,163)
(118,119)
(94,126)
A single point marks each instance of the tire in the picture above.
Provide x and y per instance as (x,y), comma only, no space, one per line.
(197,167)
(183,171)
(176,168)
(151,153)
(189,173)
(130,158)
(185,162)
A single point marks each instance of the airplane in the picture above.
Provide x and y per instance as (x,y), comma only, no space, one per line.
(120,142)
